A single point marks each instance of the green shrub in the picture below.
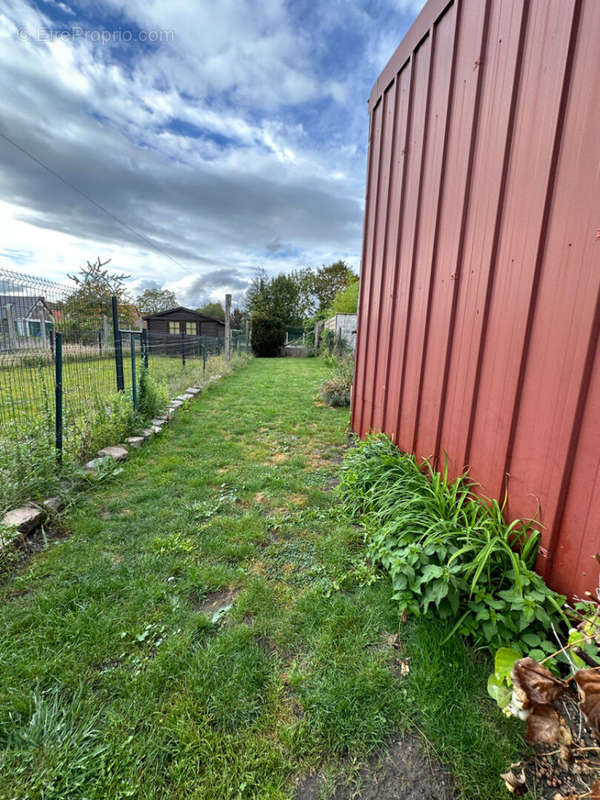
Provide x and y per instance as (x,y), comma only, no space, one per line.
(447,550)
(152,395)
(335,390)
(268,335)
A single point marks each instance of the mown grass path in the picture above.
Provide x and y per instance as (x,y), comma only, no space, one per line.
(117,677)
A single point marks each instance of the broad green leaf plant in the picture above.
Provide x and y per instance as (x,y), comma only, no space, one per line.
(448,551)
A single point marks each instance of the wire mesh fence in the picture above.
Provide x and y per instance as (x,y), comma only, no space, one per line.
(75,378)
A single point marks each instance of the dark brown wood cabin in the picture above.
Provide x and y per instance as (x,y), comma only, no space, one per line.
(166,329)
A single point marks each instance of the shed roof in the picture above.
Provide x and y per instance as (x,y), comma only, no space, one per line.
(192,313)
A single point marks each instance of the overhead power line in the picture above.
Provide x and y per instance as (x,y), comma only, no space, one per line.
(91,200)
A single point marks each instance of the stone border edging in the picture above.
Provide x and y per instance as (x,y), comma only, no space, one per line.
(26,519)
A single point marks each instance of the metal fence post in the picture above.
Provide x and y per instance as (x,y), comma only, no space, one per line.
(145,347)
(183,348)
(58,390)
(100,342)
(133,380)
(118,346)
(204,346)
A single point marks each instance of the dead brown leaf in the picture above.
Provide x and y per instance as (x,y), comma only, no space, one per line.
(588,683)
(595,795)
(546,726)
(534,684)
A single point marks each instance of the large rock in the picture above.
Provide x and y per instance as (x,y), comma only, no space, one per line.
(117,452)
(193,390)
(147,433)
(135,441)
(24,519)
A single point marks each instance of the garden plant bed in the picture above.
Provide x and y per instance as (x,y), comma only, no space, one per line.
(210,628)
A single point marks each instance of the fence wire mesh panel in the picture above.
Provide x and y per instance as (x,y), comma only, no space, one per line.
(50,334)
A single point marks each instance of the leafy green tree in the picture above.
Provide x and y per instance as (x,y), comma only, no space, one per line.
(346,300)
(330,280)
(152,301)
(268,335)
(236,319)
(214,310)
(92,299)
(282,295)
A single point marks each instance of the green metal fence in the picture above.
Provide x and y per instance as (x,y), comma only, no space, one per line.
(79,376)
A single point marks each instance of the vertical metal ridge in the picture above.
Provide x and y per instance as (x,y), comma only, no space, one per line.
(497,227)
(384,251)
(373,251)
(434,252)
(362,290)
(541,245)
(584,388)
(416,226)
(483,48)
(409,112)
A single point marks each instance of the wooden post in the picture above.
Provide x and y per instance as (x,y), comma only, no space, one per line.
(318,329)
(227,327)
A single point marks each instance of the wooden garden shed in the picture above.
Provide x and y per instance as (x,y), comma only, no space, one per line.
(181,320)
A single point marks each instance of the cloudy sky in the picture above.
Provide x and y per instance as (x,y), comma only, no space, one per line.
(219,135)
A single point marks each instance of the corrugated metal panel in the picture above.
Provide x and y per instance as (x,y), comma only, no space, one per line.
(480,297)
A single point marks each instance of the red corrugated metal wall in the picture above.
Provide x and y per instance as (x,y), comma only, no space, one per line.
(480,295)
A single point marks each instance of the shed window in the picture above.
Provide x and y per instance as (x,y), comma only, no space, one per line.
(190,328)
(173,327)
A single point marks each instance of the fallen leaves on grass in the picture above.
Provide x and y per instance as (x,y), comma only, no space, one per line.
(588,684)
(534,684)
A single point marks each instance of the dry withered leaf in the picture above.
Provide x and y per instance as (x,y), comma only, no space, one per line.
(595,795)
(588,683)
(546,726)
(534,684)
(515,782)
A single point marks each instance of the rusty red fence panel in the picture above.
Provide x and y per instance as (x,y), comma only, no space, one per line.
(479,313)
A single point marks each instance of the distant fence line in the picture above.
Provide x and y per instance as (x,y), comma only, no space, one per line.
(61,374)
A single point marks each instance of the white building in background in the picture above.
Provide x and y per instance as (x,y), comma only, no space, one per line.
(344,327)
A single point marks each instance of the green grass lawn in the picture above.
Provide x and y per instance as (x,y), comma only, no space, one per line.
(117,677)
(27,387)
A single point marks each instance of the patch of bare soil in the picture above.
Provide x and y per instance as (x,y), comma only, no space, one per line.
(217,601)
(403,773)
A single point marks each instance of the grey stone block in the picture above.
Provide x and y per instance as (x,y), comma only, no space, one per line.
(117,452)
(135,441)
(93,465)
(25,519)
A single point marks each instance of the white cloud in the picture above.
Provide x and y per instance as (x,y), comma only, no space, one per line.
(239,132)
